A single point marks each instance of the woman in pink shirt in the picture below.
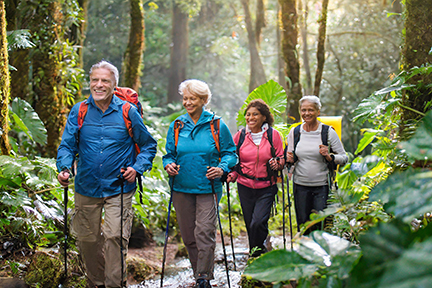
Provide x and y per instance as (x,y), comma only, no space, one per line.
(259,161)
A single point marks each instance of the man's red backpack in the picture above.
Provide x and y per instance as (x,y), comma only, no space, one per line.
(127,94)
(131,97)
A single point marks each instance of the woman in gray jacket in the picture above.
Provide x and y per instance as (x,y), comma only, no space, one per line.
(311,159)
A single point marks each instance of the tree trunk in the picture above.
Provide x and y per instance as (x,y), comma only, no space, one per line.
(289,43)
(18,58)
(77,34)
(321,49)
(48,82)
(416,52)
(303,32)
(4,84)
(280,60)
(179,52)
(257,73)
(260,21)
(132,65)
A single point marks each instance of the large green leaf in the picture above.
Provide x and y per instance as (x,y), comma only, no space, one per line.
(322,252)
(406,194)
(280,265)
(394,257)
(271,93)
(419,146)
(35,127)
(368,107)
(367,138)
(335,254)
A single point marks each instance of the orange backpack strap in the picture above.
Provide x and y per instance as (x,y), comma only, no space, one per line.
(178,124)
(126,107)
(82,112)
(214,126)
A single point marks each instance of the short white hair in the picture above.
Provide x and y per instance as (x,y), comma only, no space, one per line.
(106,65)
(312,99)
(197,88)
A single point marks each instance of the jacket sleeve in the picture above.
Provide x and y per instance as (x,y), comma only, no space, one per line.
(171,155)
(68,148)
(228,149)
(146,143)
(340,155)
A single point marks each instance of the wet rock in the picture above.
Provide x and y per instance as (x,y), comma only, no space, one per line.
(6,282)
(139,270)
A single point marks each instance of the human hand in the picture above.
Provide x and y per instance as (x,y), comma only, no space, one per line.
(274,163)
(289,157)
(172,169)
(129,174)
(231,178)
(63,178)
(214,172)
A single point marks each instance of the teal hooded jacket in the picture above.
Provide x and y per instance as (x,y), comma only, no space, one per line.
(196,150)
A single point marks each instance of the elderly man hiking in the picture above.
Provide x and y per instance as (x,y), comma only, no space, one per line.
(101,135)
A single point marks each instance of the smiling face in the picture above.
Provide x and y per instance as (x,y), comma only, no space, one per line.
(102,84)
(309,112)
(254,119)
(193,104)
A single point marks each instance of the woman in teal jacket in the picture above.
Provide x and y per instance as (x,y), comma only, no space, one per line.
(192,165)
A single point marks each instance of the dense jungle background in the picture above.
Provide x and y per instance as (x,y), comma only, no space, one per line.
(369,61)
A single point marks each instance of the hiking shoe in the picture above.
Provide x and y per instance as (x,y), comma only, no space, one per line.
(202,283)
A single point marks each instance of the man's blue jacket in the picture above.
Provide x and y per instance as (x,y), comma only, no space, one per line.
(103,146)
(196,150)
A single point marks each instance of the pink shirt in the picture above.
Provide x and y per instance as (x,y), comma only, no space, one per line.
(253,159)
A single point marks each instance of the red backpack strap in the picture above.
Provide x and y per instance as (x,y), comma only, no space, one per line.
(82,112)
(126,107)
(178,124)
(214,126)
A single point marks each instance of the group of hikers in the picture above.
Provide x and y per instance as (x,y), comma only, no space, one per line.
(106,140)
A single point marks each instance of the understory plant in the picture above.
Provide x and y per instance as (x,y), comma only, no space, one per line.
(376,209)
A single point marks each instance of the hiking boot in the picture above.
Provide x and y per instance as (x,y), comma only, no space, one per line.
(202,283)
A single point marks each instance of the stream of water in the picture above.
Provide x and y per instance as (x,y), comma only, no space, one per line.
(179,273)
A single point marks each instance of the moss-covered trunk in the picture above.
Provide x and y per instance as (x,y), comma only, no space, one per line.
(320,48)
(132,65)
(257,74)
(4,84)
(290,54)
(416,51)
(48,81)
(179,52)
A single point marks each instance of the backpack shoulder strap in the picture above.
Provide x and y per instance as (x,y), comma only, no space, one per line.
(214,126)
(82,112)
(178,125)
(296,140)
(324,134)
(241,140)
(270,139)
(126,107)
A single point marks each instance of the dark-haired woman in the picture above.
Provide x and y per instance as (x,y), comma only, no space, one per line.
(260,157)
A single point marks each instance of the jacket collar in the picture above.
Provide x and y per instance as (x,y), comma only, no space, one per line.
(114,105)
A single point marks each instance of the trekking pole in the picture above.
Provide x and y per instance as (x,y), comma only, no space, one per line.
(65,228)
(121,227)
(289,206)
(229,216)
(220,227)
(167,230)
(283,209)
